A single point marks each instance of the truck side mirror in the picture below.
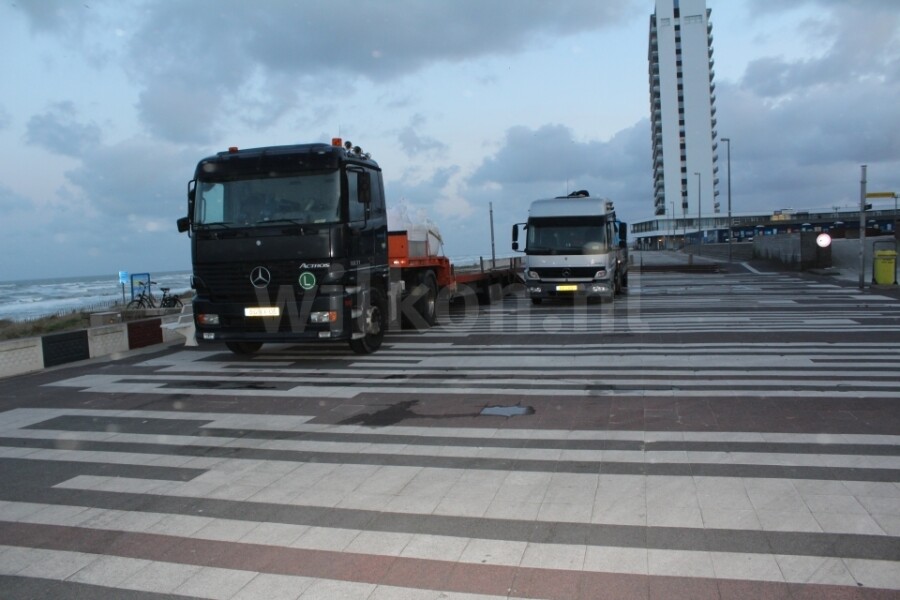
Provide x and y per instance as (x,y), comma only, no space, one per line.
(515,238)
(184,223)
(623,235)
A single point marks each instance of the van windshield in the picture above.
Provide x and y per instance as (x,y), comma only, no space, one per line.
(567,235)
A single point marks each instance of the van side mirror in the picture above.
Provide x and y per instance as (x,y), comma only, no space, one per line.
(515,235)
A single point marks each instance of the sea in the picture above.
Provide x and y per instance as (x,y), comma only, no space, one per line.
(35,298)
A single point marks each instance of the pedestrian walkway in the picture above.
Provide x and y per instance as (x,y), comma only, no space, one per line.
(728,435)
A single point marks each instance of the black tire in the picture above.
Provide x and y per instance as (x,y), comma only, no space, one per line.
(171,302)
(243,348)
(135,304)
(375,324)
(426,306)
(537,300)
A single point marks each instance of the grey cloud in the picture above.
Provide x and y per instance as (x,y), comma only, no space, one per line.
(180,113)
(415,143)
(421,193)
(11,202)
(136,177)
(53,15)
(551,153)
(5,119)
(384,40)
(59,130)
(859,44)
(805,150)
(213,53)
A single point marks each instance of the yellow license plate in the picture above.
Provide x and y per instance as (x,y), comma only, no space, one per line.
(262,311)
(567,288)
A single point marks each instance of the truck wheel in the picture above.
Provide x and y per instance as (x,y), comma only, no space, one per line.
(427,304)
(536,300)
(374,325)
(243,348)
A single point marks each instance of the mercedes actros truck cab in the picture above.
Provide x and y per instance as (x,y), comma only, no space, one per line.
(289,243)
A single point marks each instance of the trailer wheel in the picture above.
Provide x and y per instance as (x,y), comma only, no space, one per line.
(374,325)
(243,348)
(427,304)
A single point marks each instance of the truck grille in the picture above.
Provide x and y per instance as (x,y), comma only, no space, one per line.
(230,282)
(567,273)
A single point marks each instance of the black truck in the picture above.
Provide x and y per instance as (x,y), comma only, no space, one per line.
(289,244)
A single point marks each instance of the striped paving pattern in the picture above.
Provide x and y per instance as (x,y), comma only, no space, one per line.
(662,454)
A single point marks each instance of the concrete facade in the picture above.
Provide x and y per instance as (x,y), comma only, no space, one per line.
(682,108)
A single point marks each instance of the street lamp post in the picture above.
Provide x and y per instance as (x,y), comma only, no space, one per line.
(672,239)
(699,211)
(728,148)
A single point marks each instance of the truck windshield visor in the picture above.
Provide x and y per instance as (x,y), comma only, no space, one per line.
(567,235)
(313,197)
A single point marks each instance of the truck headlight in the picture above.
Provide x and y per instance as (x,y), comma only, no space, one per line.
(323,317)
(532,275)
(600,274)
(207,319)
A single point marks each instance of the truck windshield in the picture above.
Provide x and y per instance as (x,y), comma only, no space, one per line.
(313,197)
(567,235)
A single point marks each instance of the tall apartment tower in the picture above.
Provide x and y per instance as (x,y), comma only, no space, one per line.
(683,109)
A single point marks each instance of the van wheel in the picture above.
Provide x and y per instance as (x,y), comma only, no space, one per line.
(374,325)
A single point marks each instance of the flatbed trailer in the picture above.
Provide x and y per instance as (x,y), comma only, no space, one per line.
(424,277)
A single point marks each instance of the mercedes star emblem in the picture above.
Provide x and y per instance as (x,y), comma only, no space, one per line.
(260,277)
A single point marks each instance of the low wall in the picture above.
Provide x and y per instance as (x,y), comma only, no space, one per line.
(26,355)
(21,356)
(798,251)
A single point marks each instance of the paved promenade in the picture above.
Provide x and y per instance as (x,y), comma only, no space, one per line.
(714,435)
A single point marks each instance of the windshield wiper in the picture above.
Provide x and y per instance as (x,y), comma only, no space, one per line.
(281,222)
(221,224)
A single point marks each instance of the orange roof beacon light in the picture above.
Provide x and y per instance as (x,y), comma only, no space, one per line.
(232,149)
(336,141)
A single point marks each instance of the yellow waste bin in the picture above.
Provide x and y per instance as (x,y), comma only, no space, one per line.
(885,267)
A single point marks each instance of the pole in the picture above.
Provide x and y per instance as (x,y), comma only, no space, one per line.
(672,240)
(862,228)
(728,147)
(493,252)
(699,206)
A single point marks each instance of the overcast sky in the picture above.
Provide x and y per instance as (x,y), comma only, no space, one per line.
(106,106)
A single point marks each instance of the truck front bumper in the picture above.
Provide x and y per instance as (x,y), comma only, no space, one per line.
(327,318)
(590,289)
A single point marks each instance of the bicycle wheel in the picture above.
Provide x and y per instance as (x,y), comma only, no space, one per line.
(135,304)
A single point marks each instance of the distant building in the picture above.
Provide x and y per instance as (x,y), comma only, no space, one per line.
(683,109)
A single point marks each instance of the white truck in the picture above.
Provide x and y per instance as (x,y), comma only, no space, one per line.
(574,247)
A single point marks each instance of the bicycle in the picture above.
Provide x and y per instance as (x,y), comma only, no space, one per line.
(169,300)
(146,300)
